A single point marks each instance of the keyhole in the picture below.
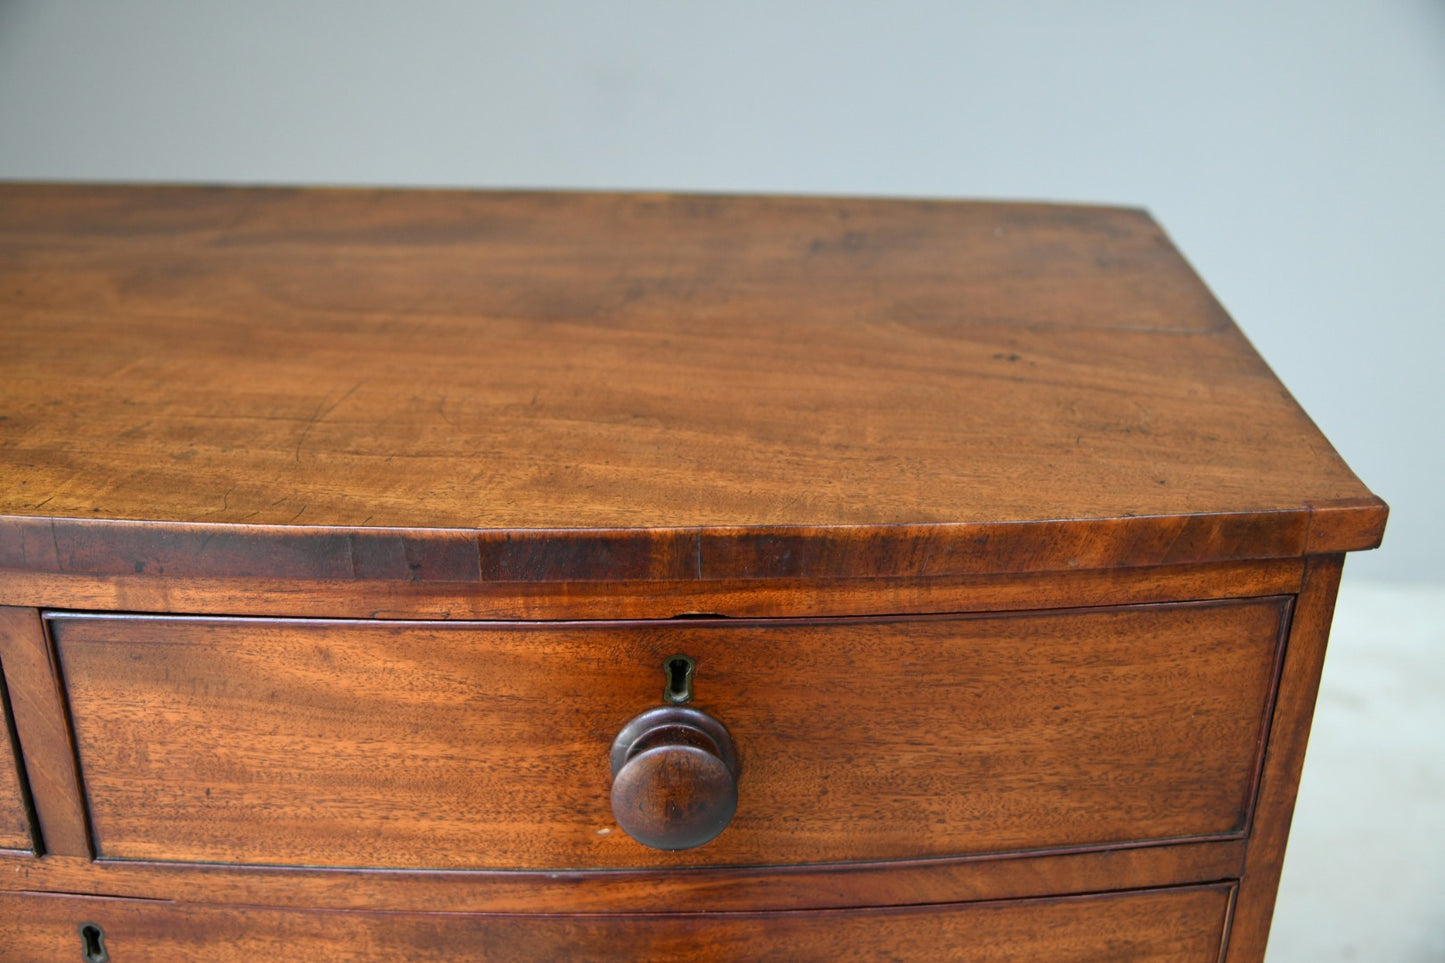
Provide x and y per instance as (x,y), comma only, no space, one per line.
(679,670)
(92,939)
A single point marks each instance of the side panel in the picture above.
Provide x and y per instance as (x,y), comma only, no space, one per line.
(15,831)
(43,732)
(1283,763)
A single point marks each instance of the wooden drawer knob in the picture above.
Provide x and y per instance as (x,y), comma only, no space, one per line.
(674,778)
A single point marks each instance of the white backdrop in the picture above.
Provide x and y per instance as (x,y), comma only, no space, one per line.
(1294,150)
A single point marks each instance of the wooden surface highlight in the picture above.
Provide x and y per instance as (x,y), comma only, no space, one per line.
(1160,926)
(37,700)
(438,745)
(530,387)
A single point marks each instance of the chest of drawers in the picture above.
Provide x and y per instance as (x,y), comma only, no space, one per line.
(424,575)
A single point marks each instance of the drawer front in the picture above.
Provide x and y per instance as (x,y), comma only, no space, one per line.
(1160,925)
(442,745)
(14,814)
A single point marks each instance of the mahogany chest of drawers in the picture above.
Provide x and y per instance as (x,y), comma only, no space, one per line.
(436,575)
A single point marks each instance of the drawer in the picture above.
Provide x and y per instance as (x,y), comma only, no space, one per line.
(486,746)
(14,813)
(1184,924)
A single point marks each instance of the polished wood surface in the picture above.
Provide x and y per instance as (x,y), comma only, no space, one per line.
(674,772)
(342,530)
(1160,926)
(1284,761)
(473,746)
(718,889)
(15,829)
(561,387)
(379,599)
(37,700)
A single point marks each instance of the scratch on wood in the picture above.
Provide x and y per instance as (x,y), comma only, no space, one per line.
(323,411)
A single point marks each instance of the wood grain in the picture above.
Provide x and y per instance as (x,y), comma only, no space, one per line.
(1183,926)
(378,598)
(15,830)
(180,552)
(475,746)
(630,386)
(720,889)
(1007,515)
(1284,762)
(38,702)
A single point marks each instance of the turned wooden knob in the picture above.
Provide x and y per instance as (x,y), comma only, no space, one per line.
(674,778)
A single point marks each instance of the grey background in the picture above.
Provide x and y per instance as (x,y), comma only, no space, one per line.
(1294,150)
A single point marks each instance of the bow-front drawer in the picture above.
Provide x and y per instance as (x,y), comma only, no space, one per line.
(1183,925)
(496,745)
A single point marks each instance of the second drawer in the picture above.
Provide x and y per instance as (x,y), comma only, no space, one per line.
(1183,925)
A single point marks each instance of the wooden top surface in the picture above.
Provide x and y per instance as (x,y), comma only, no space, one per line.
(673,386)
